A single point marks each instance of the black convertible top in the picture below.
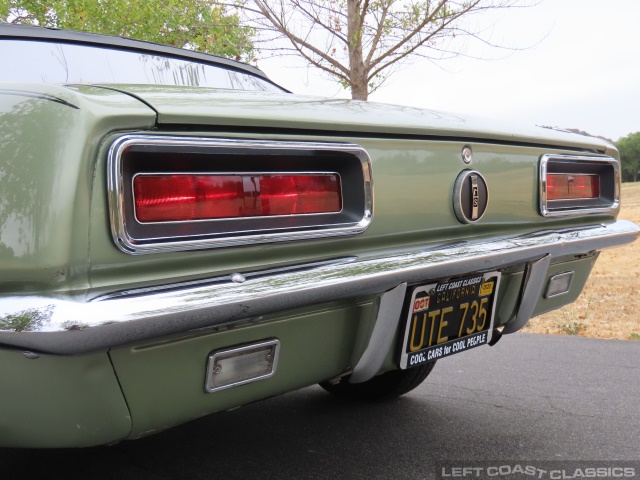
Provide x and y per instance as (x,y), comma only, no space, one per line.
(69,36)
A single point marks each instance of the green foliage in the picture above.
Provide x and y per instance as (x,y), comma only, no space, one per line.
(200,25)
(634,336)
(27,320)
(572,328)
(629,148)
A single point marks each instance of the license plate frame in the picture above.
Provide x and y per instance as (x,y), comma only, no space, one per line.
(428,301)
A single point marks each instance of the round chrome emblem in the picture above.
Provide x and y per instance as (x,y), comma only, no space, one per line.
(470,196)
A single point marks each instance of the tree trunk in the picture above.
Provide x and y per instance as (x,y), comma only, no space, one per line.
(357,72)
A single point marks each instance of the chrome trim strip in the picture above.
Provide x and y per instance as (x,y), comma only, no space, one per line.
(384,330)
(134,292)
(544,209)
(532,285)
(68,326)
(128,244)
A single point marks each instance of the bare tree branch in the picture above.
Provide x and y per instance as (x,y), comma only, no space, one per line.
(391,31)
(280,25)
(378,34)
(315,20)
(363,14)
(428,19)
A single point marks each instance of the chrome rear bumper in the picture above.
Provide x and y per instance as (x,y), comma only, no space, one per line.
(63,326)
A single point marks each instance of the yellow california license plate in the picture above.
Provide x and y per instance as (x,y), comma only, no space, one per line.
(448,317)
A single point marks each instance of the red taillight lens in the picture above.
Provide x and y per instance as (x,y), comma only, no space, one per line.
(164,198)
(571,186)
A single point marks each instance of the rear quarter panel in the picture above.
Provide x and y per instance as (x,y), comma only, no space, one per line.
(49,137)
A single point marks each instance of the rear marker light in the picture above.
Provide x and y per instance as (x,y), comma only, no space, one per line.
(185,197)
(572,186)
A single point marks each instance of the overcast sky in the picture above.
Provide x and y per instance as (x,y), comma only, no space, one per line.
(583,73)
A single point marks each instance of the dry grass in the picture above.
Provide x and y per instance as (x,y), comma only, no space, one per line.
(607,306)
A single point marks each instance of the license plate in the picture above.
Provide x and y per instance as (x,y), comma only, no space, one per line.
(448,317)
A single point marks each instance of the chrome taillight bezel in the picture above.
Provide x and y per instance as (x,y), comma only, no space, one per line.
(607,168)
(134,237)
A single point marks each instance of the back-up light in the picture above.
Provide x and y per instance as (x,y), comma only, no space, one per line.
(185,197)
(572,186)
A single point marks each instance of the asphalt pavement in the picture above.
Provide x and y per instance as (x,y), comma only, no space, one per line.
(541,401)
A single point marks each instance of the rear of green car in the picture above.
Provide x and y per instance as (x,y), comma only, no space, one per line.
(118,322)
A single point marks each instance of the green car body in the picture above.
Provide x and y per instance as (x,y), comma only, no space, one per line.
(104,341)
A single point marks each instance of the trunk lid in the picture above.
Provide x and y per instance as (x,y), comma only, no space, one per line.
(218,108)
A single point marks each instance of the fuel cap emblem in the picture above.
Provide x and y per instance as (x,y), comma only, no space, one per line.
(470,196)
